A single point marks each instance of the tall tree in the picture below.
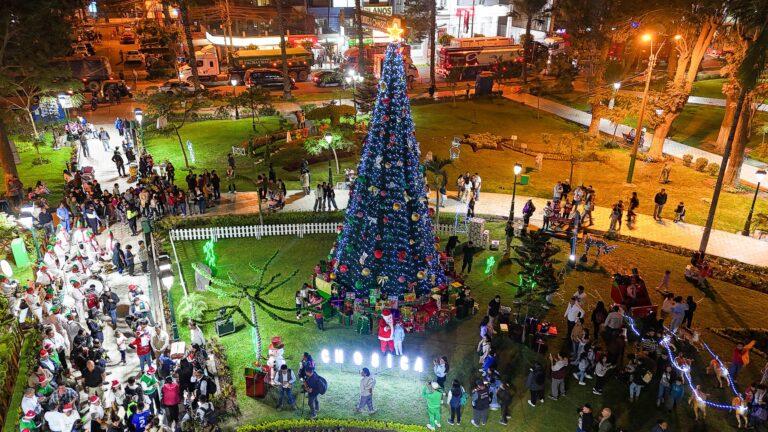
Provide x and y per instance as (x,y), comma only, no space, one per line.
(186,23)
(175,110)
(255,99)
(360,43)
(432,41)
(31,34)
(530,9)
(422,23)
(694,24)
(754,14)
(283,47)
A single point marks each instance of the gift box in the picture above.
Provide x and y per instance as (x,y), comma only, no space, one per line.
(409,297)
(406,312)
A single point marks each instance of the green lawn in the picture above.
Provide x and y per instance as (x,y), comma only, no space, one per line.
(710,88)
(49,172)
(397,394)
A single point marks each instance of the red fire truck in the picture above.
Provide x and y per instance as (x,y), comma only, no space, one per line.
(475,55)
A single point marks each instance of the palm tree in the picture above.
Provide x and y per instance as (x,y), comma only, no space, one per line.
(436,167)
(749,14)
(184,6)
(529,8)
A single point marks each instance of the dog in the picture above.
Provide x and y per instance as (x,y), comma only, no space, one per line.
(720,372)
(698,401)
(740,409)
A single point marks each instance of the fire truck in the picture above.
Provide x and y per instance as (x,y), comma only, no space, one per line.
(479,54)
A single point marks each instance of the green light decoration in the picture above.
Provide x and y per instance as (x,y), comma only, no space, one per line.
(489,263)
(210,257)
(536,257)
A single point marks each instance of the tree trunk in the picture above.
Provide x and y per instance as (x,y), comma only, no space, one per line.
(255,333)
(360,45)
(437,205)
(594,123)
(725,126)
(283,54)
(6,154)
(528,24)
(660,136)
(167,20)
(432,41)
(733,170)
(183,150)
(192,59)
(32,122)
(672,63)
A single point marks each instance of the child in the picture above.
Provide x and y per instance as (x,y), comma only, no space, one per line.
(319,319)
(129,259)
(143,256)
(121,342)
(582,365)
(398,336)
(680,213)
(299,303)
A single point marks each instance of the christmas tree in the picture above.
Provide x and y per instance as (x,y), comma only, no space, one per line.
(387,241)
(536,256)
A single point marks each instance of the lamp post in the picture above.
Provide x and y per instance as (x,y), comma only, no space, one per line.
(353,78)
(329,140)
(27,220)
(616,87)
(760,175)
(638,131)
(138,114)
(233,81)
(517,170)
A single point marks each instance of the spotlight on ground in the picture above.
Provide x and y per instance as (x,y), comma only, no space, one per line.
(375,360)
(404,365)
(338,356)
(418,365)
(389,361)
(325,356)
(357,358)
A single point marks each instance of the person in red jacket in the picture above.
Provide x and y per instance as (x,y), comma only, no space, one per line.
(386,324)
(143,349)
(171,398)
(740,358)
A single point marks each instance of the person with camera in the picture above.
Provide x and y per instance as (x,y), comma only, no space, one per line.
(586,421)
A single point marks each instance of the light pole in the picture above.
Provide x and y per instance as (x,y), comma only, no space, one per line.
(353,78)
(616,87)
(329,140)
(233,81)
(760,175)
(638,131)
(517,170)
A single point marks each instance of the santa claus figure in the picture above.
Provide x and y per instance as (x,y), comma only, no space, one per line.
(386,324)
(275,359)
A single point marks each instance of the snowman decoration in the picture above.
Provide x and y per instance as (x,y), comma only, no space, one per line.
(275,359)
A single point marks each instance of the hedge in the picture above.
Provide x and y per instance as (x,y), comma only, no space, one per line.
(331,425)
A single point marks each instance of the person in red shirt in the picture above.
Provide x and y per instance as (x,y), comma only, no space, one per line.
(143,349)
(740,358)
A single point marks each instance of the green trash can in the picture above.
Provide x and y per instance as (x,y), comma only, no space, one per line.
(523,180)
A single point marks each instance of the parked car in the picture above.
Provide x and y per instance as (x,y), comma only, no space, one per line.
(328,78)
(128,38)
(266,78)
(176,86)
(134,56)
(109,86)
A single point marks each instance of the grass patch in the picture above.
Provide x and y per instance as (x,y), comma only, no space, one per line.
(51,172)
(710,88)
(397,395)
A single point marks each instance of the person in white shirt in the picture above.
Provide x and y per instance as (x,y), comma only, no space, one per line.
(30,402)
(196,334)
(580,295)
(62,421)
(572,313)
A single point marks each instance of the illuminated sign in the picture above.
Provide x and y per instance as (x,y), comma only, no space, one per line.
(381,10)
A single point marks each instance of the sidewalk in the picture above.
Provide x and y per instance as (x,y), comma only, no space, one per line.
(723,244)
(672,148)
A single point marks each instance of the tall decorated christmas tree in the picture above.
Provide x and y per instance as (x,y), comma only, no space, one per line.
(387,241)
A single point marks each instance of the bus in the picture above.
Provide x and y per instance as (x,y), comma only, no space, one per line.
(91,70)
(299,62)
(475,55)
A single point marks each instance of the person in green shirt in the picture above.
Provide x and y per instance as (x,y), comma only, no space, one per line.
(434,396)
(150,384)
(28,422)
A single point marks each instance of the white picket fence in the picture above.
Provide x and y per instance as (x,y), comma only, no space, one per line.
(259,231)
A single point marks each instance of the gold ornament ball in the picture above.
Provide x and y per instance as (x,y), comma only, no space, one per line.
(366,271)
(415,217)
(396,206)
(420,275)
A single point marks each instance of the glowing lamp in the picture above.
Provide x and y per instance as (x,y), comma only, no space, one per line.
(233,81)
(572,257)
(647,37)
(338,356)
(760,176)
(518,168)
(357,358)
(328,137)
(418,365)
(617,85)
(138,114)
(678,37)
(325,356)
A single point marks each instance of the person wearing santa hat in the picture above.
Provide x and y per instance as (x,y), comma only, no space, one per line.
(386,326)
(50,259)
(27,422)
(114,396)
(96,413)
(47,363)
(149,384)
(63,421)
(32,301)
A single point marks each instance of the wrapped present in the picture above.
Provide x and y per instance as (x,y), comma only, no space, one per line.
(456,284)
(408,326)
(409,297)
(406,312)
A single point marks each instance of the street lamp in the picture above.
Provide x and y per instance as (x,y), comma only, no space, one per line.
(233,81)
(138,114)
(616,87)
(760,176)
(517,170)
(329,140)
(638,131)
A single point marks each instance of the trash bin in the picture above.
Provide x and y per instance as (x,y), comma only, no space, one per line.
(523,180)
(254,382)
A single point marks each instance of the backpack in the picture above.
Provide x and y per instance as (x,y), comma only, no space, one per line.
(323,385)
(539,378)
(210,386)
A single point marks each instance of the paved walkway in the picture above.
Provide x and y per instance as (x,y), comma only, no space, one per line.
(671,147)
(734,246)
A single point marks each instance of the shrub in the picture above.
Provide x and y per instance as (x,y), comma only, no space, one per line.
(610,144)
(700,164)
(713,169)
(687,160)
(331,425)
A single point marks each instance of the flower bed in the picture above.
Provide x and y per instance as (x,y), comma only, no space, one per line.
(330,425)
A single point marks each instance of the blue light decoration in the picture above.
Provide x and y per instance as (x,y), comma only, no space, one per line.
(387,240)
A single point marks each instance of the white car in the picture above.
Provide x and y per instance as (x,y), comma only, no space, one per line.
(134,56)
(176,86)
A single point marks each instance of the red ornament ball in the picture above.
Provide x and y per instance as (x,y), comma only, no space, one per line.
(431,212)
(384,219)
(378,253)
(343,268)
(401,279)
(401,255)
